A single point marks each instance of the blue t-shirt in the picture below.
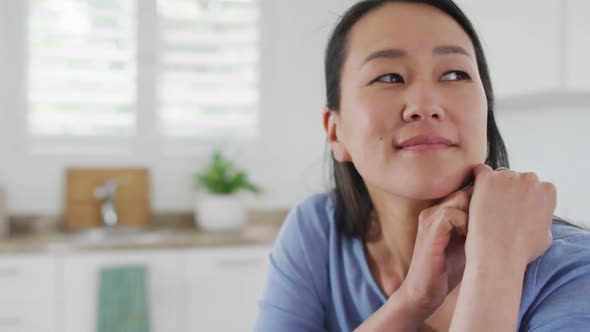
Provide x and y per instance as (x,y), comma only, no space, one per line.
(319,279)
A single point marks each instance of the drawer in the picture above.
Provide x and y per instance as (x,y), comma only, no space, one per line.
(226,260)
(221,283)
(28,277)
(28,316)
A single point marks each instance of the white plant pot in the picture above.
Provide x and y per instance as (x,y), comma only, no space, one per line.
(219,213)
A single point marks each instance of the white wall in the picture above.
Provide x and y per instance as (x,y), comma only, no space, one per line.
(287,157)
(554,143)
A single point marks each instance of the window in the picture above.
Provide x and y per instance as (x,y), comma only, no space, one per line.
(82,67)
(209,65)
(83,70)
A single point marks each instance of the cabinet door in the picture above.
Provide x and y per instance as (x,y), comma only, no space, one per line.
(28,288)
(222,288)
(28,316)
(578,45)
(28,277)
(522,41)
(81,282)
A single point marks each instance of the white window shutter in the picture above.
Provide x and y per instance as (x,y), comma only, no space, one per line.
(82,63)
(209,63)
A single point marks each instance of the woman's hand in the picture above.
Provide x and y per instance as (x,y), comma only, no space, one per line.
(510,219)
(511,215)
(439,256)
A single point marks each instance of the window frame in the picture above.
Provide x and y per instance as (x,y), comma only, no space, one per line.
(147,139)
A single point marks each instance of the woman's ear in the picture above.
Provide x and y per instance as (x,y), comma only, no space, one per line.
(332,126)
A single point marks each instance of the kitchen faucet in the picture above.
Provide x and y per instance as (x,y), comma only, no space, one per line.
(106,194)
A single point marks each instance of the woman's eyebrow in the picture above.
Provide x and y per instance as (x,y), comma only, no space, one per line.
(393,53)
(449,49)
(387,53)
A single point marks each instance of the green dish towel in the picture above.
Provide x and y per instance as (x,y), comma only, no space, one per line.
(122,300)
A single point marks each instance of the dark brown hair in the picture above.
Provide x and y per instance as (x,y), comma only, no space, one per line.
(353,203)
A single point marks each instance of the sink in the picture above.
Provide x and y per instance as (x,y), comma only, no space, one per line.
(115,236)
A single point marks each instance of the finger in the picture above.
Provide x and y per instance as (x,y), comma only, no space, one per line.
(549,187)
(460,221)
(481,169)
(531,176)
(468,189)
(446,220)
(459,200)
(551,194)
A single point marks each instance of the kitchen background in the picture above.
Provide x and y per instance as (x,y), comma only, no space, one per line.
(537,50)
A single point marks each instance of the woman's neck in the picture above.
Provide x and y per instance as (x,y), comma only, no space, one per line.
(395,226)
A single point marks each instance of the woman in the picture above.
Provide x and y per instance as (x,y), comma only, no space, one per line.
(426,228)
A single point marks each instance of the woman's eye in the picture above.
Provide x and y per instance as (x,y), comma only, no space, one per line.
(455,75)
(390,78)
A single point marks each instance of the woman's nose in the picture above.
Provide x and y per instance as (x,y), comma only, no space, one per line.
(416,113)
(422,105)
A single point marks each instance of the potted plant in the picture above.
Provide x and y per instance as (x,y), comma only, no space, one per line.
(218,206)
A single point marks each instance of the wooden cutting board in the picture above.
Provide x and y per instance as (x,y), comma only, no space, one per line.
(132,198)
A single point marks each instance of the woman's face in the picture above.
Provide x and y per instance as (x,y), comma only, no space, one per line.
(410,70)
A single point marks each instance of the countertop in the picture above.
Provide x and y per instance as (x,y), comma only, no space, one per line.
(261,229)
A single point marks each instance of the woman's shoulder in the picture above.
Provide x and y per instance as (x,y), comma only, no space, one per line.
(307,227)
(296,292)
(313,216)
(562,229)
(557,283)
(570,251)
(571,244)
(321,202)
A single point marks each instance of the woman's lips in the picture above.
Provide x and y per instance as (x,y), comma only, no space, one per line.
(427,147)
(421,143)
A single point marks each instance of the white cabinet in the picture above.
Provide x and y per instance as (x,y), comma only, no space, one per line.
(522,41)
(28,299)
(222,287)
(200,289)
(578,44)
(80,287)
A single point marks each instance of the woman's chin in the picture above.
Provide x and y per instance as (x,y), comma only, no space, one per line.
(433,194)
(435,188)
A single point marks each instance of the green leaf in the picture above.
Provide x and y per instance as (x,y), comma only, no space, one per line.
(222,177)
